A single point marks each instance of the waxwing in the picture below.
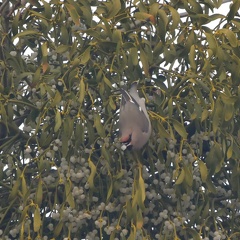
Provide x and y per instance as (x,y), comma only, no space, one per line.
(134,123)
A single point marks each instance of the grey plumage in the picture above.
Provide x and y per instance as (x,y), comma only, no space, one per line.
(134,123)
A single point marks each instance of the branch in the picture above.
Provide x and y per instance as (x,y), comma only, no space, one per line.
(4,4)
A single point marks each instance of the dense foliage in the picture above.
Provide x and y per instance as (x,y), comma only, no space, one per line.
(63,172)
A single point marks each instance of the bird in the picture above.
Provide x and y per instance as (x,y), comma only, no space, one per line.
(134,123)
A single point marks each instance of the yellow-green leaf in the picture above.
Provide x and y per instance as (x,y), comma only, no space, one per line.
(142,189)
(143,16)
(139,222)
(92,174)
(57,230)
(15,189)
(133,233)
(205,114)
(44,48)
(180,177)
(36,219)
(230,151)
(110,188)
(86,55)
(69,196)
(58,121)
(107,81)
(134,56)
(24,185)
(82,91)
(57,99)
(112,103)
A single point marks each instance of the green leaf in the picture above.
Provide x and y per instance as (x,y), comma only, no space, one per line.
(117,36)
(216,115)
(68,192)
(47,10)
(62,49)
(107,81)
(228,111)
(86,55)
(188,175)
(64,35)
(175,17)
(39,193)
(36,78)
(214,159)
(179,128)
(114,9)
(163,17)
(228,99)
(162,131)
(233,10)
(211,42)
(210,185)
(14,190)
(57,230)
(170,107)
(15,23)
(73,13)
(230,36)
(144,60)
(193,233)
(58,121)
(98,125)
(203,170)
(205,115)
(87,14)
(26,33)
(112,103)
(162,24)
(191,57)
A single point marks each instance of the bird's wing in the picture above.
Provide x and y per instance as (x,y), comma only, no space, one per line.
(131,113)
